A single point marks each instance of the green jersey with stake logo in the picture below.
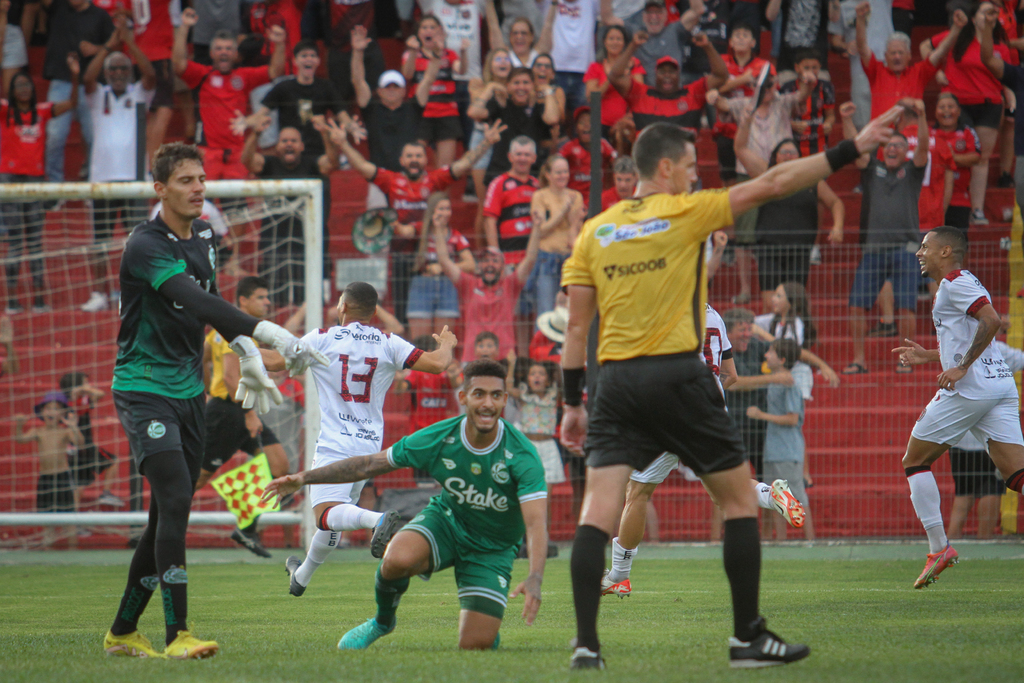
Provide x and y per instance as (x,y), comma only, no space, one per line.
(482,489)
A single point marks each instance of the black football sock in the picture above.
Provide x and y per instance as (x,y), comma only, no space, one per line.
(142,580)
(171,485)
(586,566)
(741,554)
(388,594)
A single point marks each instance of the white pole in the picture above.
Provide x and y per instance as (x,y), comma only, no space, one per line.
(115,190)
(312,228)
(133,518)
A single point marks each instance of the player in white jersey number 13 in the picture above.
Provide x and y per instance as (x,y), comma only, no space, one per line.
(976,393)
(351,392)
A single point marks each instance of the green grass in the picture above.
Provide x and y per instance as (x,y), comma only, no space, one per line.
(862,619)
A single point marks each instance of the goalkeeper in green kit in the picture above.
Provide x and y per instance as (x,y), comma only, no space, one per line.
(492,491)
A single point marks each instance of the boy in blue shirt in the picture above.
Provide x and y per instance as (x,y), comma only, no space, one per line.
(784,438)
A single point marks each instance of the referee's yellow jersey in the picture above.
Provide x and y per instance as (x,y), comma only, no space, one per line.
(218,347)
(645,258)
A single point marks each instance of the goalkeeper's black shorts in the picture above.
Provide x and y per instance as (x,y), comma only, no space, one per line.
(157,424)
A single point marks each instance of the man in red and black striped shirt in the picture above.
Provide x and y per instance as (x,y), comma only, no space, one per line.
(507,221)
(667,101)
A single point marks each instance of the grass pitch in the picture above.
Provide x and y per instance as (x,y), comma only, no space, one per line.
(862,619)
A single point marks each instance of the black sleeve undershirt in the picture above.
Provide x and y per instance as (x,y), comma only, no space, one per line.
(210,309)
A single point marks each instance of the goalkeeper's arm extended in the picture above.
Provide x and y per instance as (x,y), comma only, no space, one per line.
(237,326)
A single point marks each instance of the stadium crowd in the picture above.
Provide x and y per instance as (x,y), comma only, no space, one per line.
(497,92)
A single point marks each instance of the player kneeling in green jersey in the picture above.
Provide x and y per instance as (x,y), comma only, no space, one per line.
(492,492)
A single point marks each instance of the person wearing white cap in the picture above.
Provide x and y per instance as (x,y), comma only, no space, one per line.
(392,119)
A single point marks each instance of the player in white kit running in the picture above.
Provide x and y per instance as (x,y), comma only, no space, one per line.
(351,392)
(776,496)
(976,393)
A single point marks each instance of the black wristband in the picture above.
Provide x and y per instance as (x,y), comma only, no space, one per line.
(842,154)
(573,381)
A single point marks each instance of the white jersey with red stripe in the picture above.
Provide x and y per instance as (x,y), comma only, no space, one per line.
(959,297)
(351,390)
(716,343)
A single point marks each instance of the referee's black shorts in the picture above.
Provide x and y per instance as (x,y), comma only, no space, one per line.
(646,406)
(226,433)
(156,424)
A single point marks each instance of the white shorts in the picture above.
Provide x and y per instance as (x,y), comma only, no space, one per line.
(333,493)
(657,471)
(947,418)
(554,470)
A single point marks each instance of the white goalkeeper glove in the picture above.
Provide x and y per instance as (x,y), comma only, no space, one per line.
(254,385)
(297,356)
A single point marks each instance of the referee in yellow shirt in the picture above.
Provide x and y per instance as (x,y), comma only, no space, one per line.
(641,266)
(229,427)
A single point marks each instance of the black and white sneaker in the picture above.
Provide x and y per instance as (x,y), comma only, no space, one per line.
(582,658)
(766,649)
(382,533)
(250,541)
(292,565)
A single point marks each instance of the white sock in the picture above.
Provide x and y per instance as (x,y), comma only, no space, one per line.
(348,517)
(764,495)
(924,494)
(622,561)
(319,548)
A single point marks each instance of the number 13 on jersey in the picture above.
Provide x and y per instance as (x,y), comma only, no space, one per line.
(366,378)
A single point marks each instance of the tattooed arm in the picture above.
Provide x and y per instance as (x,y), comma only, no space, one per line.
(341,472)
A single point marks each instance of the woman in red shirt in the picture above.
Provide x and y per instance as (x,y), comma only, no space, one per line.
(440,123)
(23,160)
(613,105)
(979,92)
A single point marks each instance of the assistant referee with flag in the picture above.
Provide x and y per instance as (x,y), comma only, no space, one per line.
(229,426)
(641,266)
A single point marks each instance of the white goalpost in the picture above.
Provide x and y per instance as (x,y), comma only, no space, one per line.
(58,338)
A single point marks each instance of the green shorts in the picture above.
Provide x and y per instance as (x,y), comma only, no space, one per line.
(482,577)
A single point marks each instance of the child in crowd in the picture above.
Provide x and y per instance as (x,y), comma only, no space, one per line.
(55,490)
(791,319)
(790,316)
(537,399)
(538,402)
(90,462)
(486,346)
(784,438)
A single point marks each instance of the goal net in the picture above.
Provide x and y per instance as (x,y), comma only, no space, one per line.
(63,250)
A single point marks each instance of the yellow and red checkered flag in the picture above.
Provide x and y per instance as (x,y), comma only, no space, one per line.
(242,487)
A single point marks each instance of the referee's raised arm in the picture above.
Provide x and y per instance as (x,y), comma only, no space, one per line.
(786,178)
